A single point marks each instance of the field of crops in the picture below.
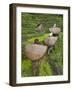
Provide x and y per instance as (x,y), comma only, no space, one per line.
(51,64)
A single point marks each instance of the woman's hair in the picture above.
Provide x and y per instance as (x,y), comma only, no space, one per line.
(36,41)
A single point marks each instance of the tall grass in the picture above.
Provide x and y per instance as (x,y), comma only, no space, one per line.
(51,64)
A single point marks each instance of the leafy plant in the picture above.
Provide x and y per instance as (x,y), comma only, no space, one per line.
(51,64)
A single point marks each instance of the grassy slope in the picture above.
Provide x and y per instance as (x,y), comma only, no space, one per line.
(49,65)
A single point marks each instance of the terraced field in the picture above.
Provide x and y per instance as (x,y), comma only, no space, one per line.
(51,64)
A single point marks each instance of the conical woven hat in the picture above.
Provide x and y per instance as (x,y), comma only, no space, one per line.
(40,28)
(35,51)
(54,29)
(50,41)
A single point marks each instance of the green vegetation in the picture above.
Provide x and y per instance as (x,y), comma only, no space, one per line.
(50,64)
